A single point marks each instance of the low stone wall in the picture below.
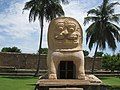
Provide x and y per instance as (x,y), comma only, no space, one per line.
(89,60)
(29,61)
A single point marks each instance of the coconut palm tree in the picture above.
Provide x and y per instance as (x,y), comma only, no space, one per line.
(103,31)
(43,9)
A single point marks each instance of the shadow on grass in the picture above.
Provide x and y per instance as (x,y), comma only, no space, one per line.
(31,84)
(113,87)
(103,78)
(34,85)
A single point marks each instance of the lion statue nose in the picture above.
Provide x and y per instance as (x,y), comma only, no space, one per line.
(65,32)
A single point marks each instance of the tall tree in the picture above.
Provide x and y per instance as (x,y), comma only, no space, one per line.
(43,9)
(102,31)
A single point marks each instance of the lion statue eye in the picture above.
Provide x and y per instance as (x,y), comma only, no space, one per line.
(71,29)
(60,28)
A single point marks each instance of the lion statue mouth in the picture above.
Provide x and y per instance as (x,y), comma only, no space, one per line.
(67,38)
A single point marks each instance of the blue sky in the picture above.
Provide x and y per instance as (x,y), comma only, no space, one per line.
(15,29)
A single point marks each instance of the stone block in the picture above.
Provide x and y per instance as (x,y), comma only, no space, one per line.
(65,88)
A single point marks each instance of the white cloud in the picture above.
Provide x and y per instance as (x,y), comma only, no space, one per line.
(15,25)
(15,29)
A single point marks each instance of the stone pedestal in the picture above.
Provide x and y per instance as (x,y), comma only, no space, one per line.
(91,83)
(65,58)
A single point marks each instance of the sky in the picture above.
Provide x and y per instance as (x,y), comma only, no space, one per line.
(15,29)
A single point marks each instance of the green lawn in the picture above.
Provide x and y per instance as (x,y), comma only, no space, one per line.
(28,83)
(17,83)
(114,82)
(111,80)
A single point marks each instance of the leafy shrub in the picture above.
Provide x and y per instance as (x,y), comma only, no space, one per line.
(111,62)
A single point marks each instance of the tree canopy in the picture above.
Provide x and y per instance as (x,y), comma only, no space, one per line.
(11,49)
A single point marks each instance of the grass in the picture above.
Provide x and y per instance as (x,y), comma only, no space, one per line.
(113,82)
(17,83)
(28,83)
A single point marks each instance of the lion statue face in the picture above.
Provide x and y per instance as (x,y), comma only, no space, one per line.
(64,34)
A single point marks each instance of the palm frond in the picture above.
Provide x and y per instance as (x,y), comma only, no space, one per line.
(102,43)
(91,42)
(110,40)
(93,33)
(89,31)
(65,1)
(29,5)
(54,10)
(31,14)
(91,18)
(114,18)
(111,11)
(110,8)
(114,30)
(49,9)
(112,26)
(105,3)
(59,1)
(94,12)
(111,5)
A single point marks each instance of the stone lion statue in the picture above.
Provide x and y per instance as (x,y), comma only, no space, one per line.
(65,44)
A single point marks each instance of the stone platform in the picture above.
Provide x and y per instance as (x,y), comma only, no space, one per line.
(91,83)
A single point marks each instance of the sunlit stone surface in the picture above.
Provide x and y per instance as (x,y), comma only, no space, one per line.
(65,44)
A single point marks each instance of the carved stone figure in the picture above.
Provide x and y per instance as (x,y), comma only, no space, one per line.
(65,44)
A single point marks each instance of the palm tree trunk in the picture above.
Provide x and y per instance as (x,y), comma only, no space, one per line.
(93,63)
(40,46)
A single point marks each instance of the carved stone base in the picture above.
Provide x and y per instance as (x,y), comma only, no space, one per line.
(91,83)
